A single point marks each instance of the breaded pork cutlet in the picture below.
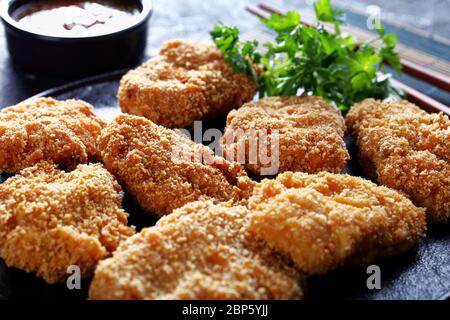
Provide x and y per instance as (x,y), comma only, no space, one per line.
(187,81)
(324,221)
(200,251)
(63,132)
(307,135)
(144,157)
(406,149)
(50,219)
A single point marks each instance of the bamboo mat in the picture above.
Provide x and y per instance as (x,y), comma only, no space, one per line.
(435,62)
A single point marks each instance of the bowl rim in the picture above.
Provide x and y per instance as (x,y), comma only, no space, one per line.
(146,12)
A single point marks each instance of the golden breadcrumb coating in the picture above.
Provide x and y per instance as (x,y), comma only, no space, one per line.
(200,251)
(141,155)
(187,81)
(324,221)
(50,219)
(310,134)
(63,132)
(407,149)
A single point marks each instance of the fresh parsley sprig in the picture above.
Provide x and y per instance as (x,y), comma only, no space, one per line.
(314,61)
(241,56)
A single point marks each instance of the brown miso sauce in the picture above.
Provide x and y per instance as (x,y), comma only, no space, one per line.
(71,18)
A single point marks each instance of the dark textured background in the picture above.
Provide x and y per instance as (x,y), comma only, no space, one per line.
(423,273)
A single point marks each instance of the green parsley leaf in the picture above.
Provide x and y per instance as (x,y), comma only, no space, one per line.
(307,60)
(326,13)
(283,24)
(390,40)
(240,56)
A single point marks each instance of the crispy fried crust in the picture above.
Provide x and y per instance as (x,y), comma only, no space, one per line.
(324,221)
(310,134)
(50,219)
(187,81)
(141,155)
(407,149)
(200,251)
(63,132)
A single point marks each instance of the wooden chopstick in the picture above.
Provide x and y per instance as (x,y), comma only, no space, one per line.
(256,12)
(422,100)
(409,67)
(270,9)
(434,78)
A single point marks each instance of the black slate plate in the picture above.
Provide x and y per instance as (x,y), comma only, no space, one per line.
(422,273)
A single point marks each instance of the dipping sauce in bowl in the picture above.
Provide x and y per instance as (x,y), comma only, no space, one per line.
(74,38)
(71,18)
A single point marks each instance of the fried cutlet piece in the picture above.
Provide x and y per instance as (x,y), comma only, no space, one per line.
(50,219)
(307,135)
(145,159)
(324,221)
(406,149)
(63,132)
(200,251)
(187,81)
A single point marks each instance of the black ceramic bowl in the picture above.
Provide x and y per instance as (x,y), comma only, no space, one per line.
(75,56)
